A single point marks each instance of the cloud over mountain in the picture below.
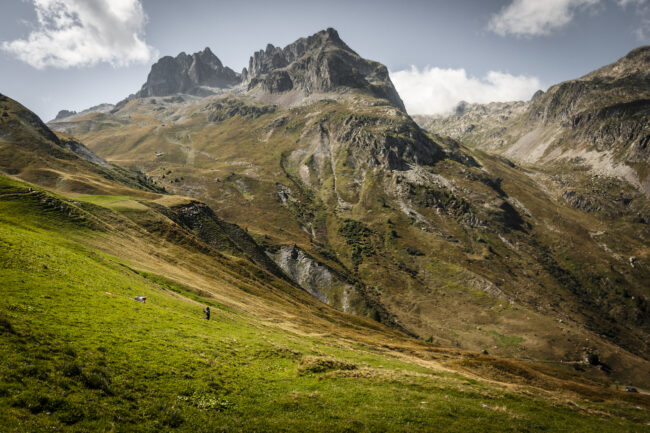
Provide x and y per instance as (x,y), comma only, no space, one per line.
(76,33)
(436,90)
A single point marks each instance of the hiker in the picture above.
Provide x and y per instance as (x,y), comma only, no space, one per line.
(141,299)
(207,313)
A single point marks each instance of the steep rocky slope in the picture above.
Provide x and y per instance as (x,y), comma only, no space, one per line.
(448,243)
(321,63)
(193,74)
(599,122)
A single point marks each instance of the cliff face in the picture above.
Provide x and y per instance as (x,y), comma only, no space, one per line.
(320,63)
(188,74)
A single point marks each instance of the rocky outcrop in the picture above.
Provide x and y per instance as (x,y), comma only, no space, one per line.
(64,113)
(347,144)
(315,277)
(330,286)
(223,236)
(320,63)
(230,107)
(193,74)
(83,152)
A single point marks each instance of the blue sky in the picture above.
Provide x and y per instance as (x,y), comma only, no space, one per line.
(73,54)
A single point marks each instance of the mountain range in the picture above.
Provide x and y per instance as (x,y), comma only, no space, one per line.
(299,192)
(598,122)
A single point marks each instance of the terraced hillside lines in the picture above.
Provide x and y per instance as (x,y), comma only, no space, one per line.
(260,364)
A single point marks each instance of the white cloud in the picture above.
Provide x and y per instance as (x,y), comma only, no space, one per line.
(74,33)
(624,3)
(438,91)
(538,17)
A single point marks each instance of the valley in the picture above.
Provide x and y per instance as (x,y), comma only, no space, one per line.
(367,271)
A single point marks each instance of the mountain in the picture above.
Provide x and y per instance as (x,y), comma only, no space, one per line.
(309,67)
(376,217)
(321,63)
(363,274)
(80,353)
(599,122)
(67,114)
(193,74)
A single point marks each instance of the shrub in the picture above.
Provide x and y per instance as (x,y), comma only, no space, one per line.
(359,238)
(5,326)
(414,251)
(173,418)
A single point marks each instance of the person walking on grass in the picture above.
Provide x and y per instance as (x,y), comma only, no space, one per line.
(207,313)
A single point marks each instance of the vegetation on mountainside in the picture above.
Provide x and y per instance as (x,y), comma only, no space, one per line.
(280,198)
(294,176)
(359,238)
(81,354)
(29,149)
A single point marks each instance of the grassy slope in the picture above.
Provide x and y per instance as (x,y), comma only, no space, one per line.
(80,354)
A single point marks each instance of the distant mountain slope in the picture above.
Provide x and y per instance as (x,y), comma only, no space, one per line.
(67,114)
(600,121)
(483,125)
(31,151)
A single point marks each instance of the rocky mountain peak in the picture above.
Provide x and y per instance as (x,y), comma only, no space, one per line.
(319,63)
(207,57)
(188,74)
(461,108)
(64,113)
